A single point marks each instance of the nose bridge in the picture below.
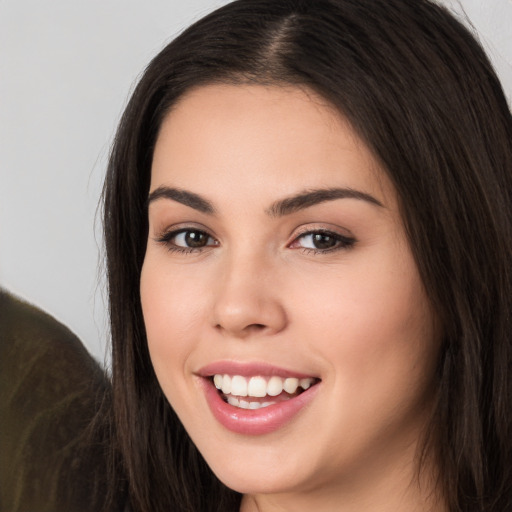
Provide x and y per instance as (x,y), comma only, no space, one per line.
(246,299)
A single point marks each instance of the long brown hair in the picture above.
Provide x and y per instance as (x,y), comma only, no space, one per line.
(421,93)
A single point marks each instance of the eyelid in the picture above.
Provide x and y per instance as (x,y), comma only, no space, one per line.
(170,232)
(315,227)
(181,226)
(345,240)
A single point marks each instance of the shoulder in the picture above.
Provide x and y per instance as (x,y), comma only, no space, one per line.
(27,331)
(50,391)
(43,366)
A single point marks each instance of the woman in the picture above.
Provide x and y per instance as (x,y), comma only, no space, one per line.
(308,230)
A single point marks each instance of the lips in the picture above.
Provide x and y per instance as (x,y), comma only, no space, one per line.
(256,399)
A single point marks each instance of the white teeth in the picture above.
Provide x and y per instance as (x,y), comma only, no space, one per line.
(290,385)
(305,383)
(259,386)
(226,384)
(233,401)
(244,404)
(238,385)
(274,386)
(217,380)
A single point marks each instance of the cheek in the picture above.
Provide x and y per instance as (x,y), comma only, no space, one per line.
(172,314)
(375,326)
(376,330)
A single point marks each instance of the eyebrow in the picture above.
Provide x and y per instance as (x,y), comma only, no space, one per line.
(184,197)
(312,197)
(280,208)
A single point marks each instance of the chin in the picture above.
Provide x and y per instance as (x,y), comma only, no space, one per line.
(264,473)
(257,482)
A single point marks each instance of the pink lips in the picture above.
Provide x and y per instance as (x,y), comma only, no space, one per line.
(257,421)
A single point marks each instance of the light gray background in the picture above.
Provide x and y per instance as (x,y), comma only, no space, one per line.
(66,70)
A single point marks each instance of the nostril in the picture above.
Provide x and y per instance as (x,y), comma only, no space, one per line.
(246,332)
(255,328)
(250,327)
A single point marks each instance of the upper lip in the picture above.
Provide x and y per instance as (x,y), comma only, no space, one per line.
(249,369)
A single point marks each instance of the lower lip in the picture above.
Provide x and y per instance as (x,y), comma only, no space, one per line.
(256,421)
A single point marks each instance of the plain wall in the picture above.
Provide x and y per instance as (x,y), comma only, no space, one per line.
(66,70)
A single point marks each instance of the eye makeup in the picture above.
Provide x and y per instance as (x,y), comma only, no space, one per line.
(311,241)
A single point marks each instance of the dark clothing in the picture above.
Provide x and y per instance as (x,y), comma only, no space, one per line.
(50,390)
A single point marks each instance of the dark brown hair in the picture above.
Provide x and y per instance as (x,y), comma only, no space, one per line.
(421,93)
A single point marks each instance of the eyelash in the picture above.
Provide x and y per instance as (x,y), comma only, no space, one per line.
(166,239)
(341,242)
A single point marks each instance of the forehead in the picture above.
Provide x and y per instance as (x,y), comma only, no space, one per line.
(280,136)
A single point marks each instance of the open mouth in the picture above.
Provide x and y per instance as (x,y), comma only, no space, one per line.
(259,391)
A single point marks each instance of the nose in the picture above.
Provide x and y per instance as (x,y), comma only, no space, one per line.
(247,300)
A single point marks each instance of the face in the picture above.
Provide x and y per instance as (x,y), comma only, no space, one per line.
(277,270)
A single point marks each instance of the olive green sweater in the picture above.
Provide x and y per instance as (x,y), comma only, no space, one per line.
(50,390)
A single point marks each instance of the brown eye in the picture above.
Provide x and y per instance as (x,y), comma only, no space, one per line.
(195,238)
(186,240)
(322,241)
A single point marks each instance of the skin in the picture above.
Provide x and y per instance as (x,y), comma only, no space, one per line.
(258,291)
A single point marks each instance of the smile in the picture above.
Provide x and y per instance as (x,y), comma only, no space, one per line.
(256,399)
(267,391)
